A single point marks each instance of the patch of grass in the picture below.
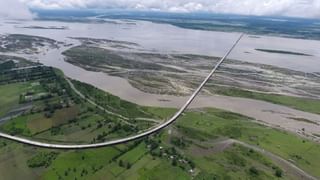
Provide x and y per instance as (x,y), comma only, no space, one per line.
(140,167)
(64,115)
(18,126)
(80,164)
(164,170)
(162,113)
(9,98)
(236,161)
(304,153)
(135,154)
(110,102)
(39,124)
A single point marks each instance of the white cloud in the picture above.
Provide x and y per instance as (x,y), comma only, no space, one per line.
(300,8)
(14,9)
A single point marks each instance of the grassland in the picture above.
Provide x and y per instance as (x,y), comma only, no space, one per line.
(214,124)
(8,96)
(113,103)
(157,156)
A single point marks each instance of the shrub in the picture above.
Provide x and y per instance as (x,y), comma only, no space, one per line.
(42,159)
(254,171)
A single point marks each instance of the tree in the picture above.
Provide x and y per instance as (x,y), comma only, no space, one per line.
(254,171)
(174,162)
(128,165)
(192,165)
(121,163)
(278,172)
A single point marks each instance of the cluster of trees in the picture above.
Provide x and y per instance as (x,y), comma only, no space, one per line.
(7,65)
(179,142)
(42,159)
(169,152)
(109,101)
(30,74)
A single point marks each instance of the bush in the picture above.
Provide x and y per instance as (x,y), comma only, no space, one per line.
(278,172)
(254,171)
(121,163)
(42,159)
(174,162)
(128,165)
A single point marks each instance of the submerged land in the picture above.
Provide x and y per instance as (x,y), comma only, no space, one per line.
(218,138)
(283,52)
(179,74)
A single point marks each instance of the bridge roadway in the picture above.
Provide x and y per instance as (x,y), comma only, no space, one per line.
(130,138)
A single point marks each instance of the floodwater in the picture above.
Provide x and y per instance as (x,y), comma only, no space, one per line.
(170,39)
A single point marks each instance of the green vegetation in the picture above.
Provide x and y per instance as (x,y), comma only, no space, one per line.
(18,62)
(303,104)
(7,65)
(282,52)
(165,154)
(9,98)
(42,159)
(215,124)
(28,74)
(40,103)
(236,161)
(110,102)
(197,146)
(79,164)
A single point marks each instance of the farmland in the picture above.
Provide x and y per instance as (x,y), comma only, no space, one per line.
(197,146)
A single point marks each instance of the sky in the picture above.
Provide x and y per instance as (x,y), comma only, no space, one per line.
(294,8)
(14,9)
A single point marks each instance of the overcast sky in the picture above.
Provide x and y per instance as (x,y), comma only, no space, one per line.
(14,9)
(298,8)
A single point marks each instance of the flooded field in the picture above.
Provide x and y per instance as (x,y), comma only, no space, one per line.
(162,38)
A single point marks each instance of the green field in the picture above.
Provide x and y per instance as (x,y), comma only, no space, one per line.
(8,99)
(56,113)
(215,123)
(192,148)
(79,164)
(201,129)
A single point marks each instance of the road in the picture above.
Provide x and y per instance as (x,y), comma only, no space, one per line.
(134,137)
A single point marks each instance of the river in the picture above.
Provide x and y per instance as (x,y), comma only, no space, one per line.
(170,39)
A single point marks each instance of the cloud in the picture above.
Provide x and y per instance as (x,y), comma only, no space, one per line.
(14,9)
(299,8)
